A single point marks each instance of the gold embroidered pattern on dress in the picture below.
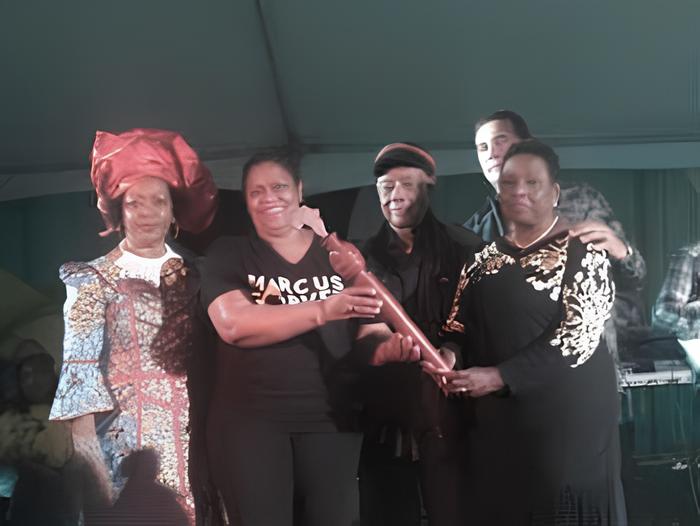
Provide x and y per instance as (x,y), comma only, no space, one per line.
(587,304)
(545,267)
(487,262)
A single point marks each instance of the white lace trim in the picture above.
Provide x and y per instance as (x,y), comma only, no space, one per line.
(138,267)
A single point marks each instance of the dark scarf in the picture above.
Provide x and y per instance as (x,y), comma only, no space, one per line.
(438,257)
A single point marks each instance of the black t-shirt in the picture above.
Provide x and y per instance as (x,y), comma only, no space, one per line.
(303,383)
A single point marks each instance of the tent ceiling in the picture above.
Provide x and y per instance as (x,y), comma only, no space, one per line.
(80,66)
(340,77)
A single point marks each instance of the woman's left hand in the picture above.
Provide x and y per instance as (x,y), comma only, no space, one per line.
(475,381)
(602,237)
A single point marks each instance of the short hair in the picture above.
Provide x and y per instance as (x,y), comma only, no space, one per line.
(516,121)
(538,149)
(287,158)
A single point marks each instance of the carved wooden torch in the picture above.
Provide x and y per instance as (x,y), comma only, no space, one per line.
(347,261)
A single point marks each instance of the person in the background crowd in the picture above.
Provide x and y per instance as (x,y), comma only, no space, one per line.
(586,209)
(29,379)
(129,350)
(33,451)
(414,435)
(677,309)
(282,433)
(531,306)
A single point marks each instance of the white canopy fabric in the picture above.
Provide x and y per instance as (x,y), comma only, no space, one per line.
(612,84)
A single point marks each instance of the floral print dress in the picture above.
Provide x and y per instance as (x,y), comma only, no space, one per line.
(125,361)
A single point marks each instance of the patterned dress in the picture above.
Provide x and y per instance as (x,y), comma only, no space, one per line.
(545,449)
(124,361)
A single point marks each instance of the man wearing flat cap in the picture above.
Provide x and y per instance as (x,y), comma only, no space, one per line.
(414,435)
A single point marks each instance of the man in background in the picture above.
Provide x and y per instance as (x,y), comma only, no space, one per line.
(582,205)
(677,309)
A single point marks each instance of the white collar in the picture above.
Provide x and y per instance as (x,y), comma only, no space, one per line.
(134,266)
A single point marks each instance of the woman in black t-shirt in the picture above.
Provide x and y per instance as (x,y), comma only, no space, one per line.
(280,443)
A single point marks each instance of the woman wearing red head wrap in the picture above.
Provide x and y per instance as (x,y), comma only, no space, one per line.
(130,331)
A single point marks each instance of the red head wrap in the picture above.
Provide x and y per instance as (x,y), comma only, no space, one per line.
(118,161)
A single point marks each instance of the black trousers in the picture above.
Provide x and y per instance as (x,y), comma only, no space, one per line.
(271,477)
(394,489)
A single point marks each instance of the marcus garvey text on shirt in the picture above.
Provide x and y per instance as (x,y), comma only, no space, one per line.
(280,290)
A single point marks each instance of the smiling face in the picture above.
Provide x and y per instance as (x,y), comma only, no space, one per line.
(403,195)
(492,141)
(147,213)
(526,191)
(272,198)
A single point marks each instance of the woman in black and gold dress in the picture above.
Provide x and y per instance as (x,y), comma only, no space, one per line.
(531,308)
